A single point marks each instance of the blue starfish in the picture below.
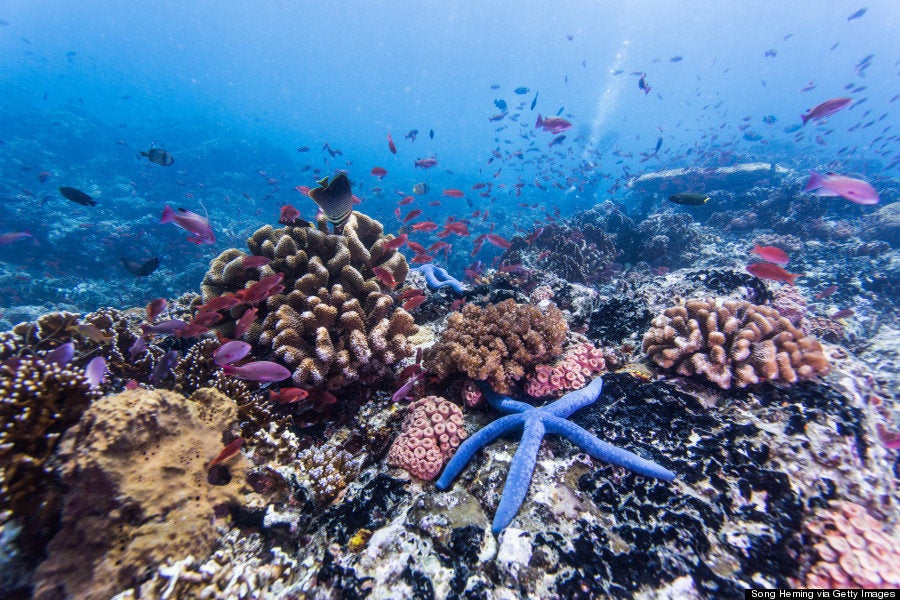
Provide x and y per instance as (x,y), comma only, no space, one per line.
(432,272)
(535,422)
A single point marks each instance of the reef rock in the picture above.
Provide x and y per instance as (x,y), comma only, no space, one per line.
(138,490)
(735,178)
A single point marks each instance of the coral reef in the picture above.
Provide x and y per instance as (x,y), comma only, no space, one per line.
(669,239)
(332,323)
(884,225)
(135,466)
(581,255)
(790,304)
(854,550)
(733,343)
(431,432)
(572,372)
(498,343)
(39,401)
(325,470)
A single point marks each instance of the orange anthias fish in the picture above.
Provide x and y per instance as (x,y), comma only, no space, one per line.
(413,302)
(155,308)
(243,324)
(425,226)
(412,214)
(227,452)
(772,272)
(771,254)
(396,242)
(288,395)
(262,289)
(391,145)
(385,277)
(453,193)
(498,241)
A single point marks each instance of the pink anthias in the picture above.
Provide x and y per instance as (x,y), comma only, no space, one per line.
(197,226)
(831,184)
(825,109)
(230,352)
(552,124)
(258,371)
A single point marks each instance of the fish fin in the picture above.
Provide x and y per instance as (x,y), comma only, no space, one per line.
(816,181)
(144,153)
(792,276)
(540,121)
(805,117)
(168,215)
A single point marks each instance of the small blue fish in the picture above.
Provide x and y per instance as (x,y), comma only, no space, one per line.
(521,90)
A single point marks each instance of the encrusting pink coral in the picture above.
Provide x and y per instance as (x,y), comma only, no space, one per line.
(431,433)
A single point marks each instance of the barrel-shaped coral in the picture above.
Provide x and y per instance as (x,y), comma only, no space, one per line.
(733,343)
(499,343)
(432,431)
(333,322)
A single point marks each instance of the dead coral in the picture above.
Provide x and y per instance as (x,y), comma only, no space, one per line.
(333,323)
(735,343)
(136,468)
(498,343)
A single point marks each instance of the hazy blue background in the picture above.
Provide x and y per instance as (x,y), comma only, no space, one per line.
(234,88)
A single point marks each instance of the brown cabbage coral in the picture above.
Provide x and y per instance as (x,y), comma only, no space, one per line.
(139,490)
(333,323)
(854,550)
(39,401)
(432,431)
(498,343)
(733,343)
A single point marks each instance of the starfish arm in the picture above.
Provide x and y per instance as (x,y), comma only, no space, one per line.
(432,272)
(605,451)
(572,401)
(468,448)
(504,404)
(519,477)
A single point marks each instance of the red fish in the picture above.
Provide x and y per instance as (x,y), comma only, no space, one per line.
(206,319)
(391,145)
(410,293)
(842,314)
(533,236)
(254,261)
(288,395)
(826,292)
(412,214)
(453,193)
(263,370)
(385,277)
(218,303)
(379,172)
(288,215)
(425,226)
(438,246)
(890,439)
(771,254)
(498,241)
(155,308)
(413,302)
(303,189)
(825,109)
(553,125)
(227,452)
(421,259)
(262,289)
(416,247)
(396,242)
(191,330)
(426,163)
(243,324)
(407,200)
(772,272)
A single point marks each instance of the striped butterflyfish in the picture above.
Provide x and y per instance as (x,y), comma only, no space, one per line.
(335,200)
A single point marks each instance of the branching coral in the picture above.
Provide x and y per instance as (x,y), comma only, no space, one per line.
(39,401)
(733,343)
(325,470)
(498,343)
(332,323)
(430,435)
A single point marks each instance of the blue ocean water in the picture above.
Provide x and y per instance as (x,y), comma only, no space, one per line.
(232,91)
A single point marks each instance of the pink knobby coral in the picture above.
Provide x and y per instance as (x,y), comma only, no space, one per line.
(571,373)
(430,435)
(854,550)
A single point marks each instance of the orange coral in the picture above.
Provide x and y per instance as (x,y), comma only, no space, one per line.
(497,343)
(735,343)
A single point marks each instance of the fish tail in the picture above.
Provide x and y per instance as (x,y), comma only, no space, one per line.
(816,181)
(540,121)
(168,215)
(805,117)
(790,277)
(144,153)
